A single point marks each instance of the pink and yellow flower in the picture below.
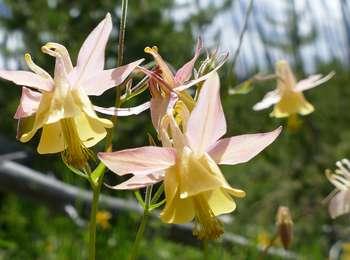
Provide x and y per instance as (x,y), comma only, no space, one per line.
(288,98)
(194,185)
(339,203)
(60,105)
(166,87)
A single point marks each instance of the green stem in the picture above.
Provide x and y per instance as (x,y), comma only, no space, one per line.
(144,220)
(119,63)
(245,26)
(205,250)
(96,180)
(92,224)
(97,183)
(122,32)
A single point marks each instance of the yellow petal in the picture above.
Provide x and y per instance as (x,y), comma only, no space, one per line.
(292,103)
(83,102)
(178,211)
(220,202)
(171,183)
(306,108)
(24,125)
(41,117)
(51,140)
(286,79)
(195,177)
(90,131)
(214,168)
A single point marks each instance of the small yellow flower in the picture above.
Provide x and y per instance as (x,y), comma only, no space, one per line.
(102,219)
(263,239)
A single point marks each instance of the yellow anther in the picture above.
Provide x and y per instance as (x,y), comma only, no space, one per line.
(152,50)
(76,153)
(207,226)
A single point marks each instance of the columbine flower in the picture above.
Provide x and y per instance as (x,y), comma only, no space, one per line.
(339,203)
(166,86)
(288,97)
(60,105)
(195,187)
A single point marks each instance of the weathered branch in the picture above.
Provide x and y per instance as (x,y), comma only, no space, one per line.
(18,178)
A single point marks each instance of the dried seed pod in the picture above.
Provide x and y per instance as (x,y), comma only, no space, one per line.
(284,225)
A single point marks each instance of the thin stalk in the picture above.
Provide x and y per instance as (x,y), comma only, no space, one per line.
(96,186)
(244,29)
(120,59)
(205,250)
(122,32)
(92,224)
(144,220)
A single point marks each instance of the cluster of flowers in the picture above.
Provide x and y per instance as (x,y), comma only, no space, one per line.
(190,129)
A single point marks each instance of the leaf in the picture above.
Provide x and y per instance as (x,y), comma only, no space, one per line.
(98,172)
(76,171)
(157,205)
(244,88)
(140,199)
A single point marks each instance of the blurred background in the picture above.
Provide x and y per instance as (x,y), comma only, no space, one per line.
(313,35)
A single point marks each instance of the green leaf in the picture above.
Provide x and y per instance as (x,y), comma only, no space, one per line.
(158,193)
(139,198)
(98,172)
(76,171)
(244,88)
(157,205)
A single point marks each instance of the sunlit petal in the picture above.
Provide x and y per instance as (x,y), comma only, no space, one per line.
(269,99)
(28,103)
(123,111)
(207,121)
(185,72)
(106,79)
(26,78)
(91,56)
(139,181)
(143,160)
(339,204)
(242,148)
(312,81)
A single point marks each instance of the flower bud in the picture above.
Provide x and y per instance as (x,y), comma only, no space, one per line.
(284,225)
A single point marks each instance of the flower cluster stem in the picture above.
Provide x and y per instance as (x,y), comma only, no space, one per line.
(142,226)
(92,224)
(96,185)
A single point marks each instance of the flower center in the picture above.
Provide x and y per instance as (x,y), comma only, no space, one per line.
(207,226)
(76,154)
